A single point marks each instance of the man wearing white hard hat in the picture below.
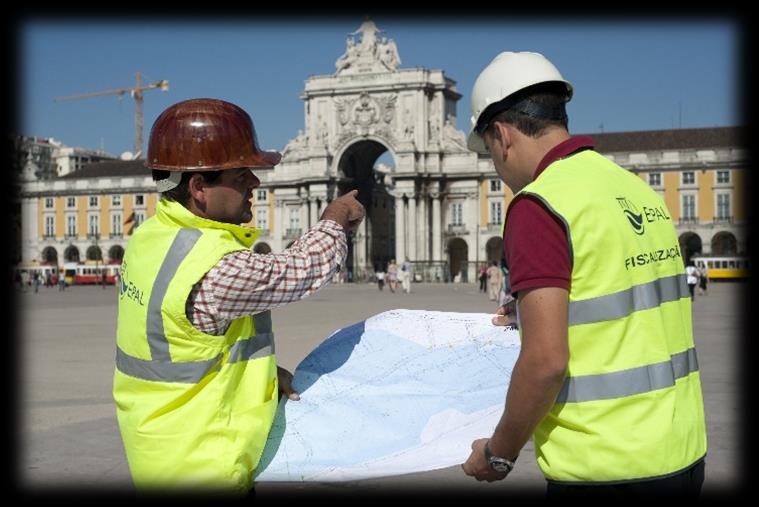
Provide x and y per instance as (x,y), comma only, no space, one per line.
(607,381)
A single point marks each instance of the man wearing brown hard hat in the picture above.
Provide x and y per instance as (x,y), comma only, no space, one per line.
(196,383)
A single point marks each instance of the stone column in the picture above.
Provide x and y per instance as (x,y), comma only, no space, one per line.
(400,246)
(412,236)
(436,224)
(359,253)
(281,210)
(423,211)
(312,216)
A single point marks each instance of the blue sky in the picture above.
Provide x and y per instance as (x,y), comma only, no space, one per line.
(642,74)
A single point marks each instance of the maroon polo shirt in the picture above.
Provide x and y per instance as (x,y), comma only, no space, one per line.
(535,241)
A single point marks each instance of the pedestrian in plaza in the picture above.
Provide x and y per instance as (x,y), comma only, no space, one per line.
(36,282)
(483,277)
(691,271)
(380,274)
(607,380)
(505,294)
(196,382)
(61,281)
(392,276)
(703,280)
(494,281)
(406,276)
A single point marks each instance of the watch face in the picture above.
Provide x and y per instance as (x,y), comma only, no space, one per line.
(499,466)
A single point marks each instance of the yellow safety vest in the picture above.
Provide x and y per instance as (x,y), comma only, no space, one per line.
(194,409)
(631,405)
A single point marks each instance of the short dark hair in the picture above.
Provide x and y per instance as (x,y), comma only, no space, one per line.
(181,193)
(550,96)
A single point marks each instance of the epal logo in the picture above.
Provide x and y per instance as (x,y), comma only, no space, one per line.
(633,215)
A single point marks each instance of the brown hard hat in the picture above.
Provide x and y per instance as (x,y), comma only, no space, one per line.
(205,134)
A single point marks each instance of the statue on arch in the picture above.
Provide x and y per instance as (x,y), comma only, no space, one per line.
(350,56)
(368,31)
(388,54)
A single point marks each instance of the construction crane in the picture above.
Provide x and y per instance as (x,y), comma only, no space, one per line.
(137,94)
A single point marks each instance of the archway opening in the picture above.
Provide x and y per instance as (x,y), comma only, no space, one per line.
(71,254)
(94,253)
(494,250)
(50,256)
(116,253)
(724,243)
(373,244)
(458,257)
(690,245)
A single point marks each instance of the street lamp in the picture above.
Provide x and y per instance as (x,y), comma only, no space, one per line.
(98,258)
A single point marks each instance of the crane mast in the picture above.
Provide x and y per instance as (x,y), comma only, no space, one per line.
(137,94)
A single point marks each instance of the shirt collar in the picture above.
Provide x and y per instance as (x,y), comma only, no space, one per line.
(173,212)
(563,149)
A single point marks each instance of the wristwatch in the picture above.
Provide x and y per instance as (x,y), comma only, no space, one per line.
(498,464)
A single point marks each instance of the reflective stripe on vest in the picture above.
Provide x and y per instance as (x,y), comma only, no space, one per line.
(630,382)
(161,368)
(623,303)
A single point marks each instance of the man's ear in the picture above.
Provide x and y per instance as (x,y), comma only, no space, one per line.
(197,185)
(501,134)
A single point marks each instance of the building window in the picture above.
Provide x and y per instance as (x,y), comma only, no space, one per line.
(49,203)
(723,176)
(50,226)
(723,207)
(654,179)
(294,218)
(116,201)
(495,185)
(94,225)
(457,213)
(71,202)
(139,217)
(139,200)
(689,207)
(689,178)
(71,225)
(93,201)
(496,209)
(261,195)
(262,218)
(116,223)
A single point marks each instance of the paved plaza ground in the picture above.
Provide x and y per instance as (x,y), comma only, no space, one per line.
(67,432)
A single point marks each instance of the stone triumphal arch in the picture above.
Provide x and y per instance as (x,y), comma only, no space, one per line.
(428,194)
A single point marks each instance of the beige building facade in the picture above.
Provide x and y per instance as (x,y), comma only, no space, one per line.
(390,133)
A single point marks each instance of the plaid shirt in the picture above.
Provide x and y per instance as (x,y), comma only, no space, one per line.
(246,283)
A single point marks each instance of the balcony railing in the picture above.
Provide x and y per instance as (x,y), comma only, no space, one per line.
(494,227)
(293,233)
(457,229)
(116,235)
(723,220)
(689,221)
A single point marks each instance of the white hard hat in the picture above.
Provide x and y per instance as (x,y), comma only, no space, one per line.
(508,73)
